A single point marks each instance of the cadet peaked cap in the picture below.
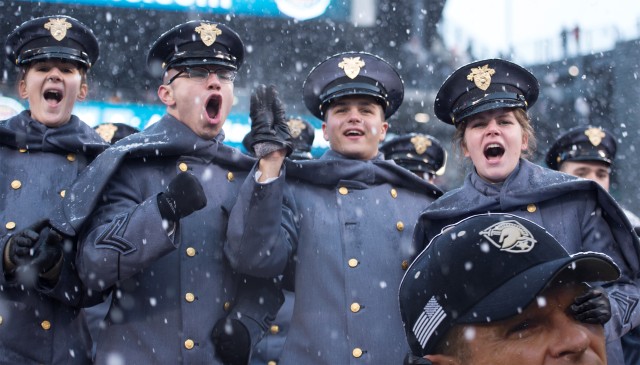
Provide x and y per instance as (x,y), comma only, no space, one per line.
(584,143)
(196,43)
(52,37)
(353,73)
(416,152)
(485,268)
(485,85)
(113,132)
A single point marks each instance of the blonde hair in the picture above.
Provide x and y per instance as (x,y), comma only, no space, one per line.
(521,116)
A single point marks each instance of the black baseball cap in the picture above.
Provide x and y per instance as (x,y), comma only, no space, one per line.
(485,85)
(486,268)
(196,43)
(585,143)
(52,37)
(353,73)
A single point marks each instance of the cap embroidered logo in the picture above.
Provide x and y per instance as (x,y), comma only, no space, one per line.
(481,76)
(511,236)
(58,28)
(351,66)
(208,33)
(595,135)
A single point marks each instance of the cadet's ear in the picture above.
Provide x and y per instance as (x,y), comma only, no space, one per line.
(22,89)
(442,360)
(324,131)
(165,93)
(84,89)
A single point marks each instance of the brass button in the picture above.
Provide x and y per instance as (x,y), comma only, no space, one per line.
(272,363)
(353,262)
(188,344)
(189,297)
(182,166)
(531,208)
(357,352)
(63,193)
(355,307)
(46,325)
(191,251)
(0,319)
(71,157)
(394,193)
(230,176)
(10,225)
(227,306)
(343,190)
(16,184)
(22,150)
(274,329)
(405,264)
(400,226)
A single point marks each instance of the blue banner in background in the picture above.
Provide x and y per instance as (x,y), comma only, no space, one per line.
(297,9)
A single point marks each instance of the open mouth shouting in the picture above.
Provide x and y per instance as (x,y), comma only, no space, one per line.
(493,151)
(53,96)
(212,107)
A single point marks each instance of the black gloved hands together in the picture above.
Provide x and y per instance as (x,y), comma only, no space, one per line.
(183,197)
(232,341)
(269,129)
(592,307)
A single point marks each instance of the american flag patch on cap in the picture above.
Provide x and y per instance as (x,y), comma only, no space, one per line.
(430,318)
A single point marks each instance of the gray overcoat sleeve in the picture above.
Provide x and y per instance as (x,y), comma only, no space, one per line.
(126,234)
(263,231)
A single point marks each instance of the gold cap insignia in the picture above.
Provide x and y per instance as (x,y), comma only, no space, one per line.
(420,143)
(107,131)
(208,33)
(351,66)
(595,135)
(58,28)
(481,76)
(511,236)
(296,126)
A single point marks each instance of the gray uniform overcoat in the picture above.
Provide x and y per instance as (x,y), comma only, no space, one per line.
(577,212)
(170,284)
(38,164)
(355,222)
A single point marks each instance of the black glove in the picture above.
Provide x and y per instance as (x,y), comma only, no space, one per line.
(412,359)
(232,341)
(183,197)
(592,307)
(34,252)
(269,129)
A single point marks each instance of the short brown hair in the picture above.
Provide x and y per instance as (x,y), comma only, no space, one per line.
(521,116)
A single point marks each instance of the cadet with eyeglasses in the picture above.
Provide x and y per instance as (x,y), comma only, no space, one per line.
(161,199)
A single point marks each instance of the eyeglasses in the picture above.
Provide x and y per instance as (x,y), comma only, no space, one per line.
(200,74)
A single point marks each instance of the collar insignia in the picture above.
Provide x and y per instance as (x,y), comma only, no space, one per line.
(595,135)
(510,236)
(107,131)
(58,28)
(208,33)
(420,143)
(481,76)
(351,66)
(296,126)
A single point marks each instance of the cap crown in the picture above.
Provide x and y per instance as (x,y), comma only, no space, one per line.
(583,143)
(52,37)
(196,43)
(353,73)
(485,85)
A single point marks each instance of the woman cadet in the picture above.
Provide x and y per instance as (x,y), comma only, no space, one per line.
(42,150)
(487,102)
